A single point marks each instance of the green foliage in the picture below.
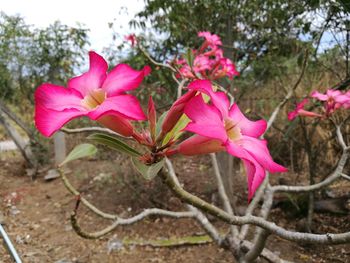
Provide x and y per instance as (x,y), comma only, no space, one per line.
(80,151)
(148,171)
(114,143)
(30,56)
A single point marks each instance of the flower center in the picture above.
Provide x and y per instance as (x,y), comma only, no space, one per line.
(232,130)
(94,99)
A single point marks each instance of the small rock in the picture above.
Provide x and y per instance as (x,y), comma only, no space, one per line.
(63,260)
(14,210)
(31,172)
(114,244)
(51,175)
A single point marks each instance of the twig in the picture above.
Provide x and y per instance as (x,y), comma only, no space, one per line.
(155,62)
(126,221)
(289,94)
(85,202)
(301,189)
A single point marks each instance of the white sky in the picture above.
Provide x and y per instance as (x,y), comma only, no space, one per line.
(95,15)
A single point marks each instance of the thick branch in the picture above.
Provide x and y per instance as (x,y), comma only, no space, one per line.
(262,234)
(236,220)
(201,218)
(249,211)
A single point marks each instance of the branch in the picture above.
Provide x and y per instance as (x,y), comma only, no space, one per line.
(262,234)
(288,96)
(201,218)
(94,209)
(222,192)
(126,221)
(155,62)
(347,177)
(301,189)
(236,220)
(258,196)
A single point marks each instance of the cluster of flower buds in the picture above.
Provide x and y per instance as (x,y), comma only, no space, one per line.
(207,113)
(332,100)
(207,62)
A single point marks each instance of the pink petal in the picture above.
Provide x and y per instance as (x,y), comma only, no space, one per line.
(206,119)
(219,99)
(315,94)
(255,172)
(199,145)
(57,98)
(92,79)
(49,121)
(176,111)
(292,115)
(123,78)
(118,124)
(258,150)
(125,105)
(250,128)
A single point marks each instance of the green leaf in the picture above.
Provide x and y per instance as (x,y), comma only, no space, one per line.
(189,57)
(113,143)
(148,171)
(160,123)
(80,151)
(176,132)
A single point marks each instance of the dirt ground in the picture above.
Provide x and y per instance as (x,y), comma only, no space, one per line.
(36,216)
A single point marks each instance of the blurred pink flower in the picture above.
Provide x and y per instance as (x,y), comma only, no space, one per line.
(299,110)
(96,94)
(211,40)
(221,127)
(334,99)
(132,38)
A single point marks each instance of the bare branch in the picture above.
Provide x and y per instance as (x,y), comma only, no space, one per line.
(341,138)
(236,220)
(257,197)
(289,94)
(127,221)
(300,189)
(222,192)
(347,177)
(201,218)
(155,62)
(262,234)
(94,209)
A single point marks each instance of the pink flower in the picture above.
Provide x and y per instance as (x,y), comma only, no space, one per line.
(333,99)
(299,110)
(218,122)
(96,94)
(224,68)
(201,63)
(132,38)
(211,40)
(176,111)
